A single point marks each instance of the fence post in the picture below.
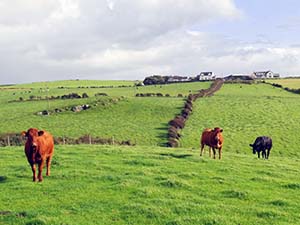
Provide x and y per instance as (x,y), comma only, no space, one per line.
(64,140)
(8,140)
(113,140)
(90,139)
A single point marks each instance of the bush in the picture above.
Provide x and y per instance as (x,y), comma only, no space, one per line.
(85,95)
(178,122)
(100,94)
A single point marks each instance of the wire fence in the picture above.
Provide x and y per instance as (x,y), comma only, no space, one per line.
(14,139)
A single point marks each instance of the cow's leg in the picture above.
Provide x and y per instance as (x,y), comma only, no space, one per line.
(48,162)
(209,152)
(220,153)
(33,172)
(214,150)
(264,154)
(202,149)
(268,153)
(258,153)
(41,165)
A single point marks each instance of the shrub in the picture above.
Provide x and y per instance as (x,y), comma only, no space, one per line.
(85,95)
(178,122)
(100,94)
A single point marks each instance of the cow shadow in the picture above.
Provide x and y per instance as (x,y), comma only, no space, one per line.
(162,134)
(181,156)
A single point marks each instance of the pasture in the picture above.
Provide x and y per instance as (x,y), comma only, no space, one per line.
(149,185)
(293,83)
(142,120)
(245,112)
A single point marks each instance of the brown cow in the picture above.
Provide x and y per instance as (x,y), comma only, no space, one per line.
(213,139)
(39,149)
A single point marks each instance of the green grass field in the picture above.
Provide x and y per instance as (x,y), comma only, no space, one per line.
(245,112)
(149,185)
(293,83)
(141,120)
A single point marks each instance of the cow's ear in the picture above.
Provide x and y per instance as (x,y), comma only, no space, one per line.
(23,133)
(251,145)
(41,132)
(221,130)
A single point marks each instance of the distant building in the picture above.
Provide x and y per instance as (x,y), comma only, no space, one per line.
(265,74)
(173,79)
(206,76)
(236,77)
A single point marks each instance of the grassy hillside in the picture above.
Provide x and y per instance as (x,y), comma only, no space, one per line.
(293,83)
(245,112)
(142,120)
(74,83)
(149,185)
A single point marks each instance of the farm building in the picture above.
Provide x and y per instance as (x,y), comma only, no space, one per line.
(235,77)
(206,76)
(172,79)
(265,74)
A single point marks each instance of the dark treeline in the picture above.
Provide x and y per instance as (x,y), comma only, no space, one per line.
(158,79)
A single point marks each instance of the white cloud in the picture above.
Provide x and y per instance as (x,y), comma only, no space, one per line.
(110,4)
(103,39)
(66,9)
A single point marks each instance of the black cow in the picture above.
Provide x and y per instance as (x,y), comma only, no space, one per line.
(262,144)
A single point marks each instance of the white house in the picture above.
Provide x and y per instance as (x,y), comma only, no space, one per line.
(206,76)
(264,74)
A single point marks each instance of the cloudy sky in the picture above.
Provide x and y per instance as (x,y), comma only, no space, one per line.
(43,40)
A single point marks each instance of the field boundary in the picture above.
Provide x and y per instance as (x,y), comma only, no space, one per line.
(15,139)
(178,123)
(291,90)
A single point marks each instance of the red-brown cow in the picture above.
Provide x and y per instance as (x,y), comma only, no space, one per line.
(213,139)
(39,149)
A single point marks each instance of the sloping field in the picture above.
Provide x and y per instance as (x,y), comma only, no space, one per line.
(149,185)
(293,83)
(245,112)
(146,184)
(74,84)
(142,120)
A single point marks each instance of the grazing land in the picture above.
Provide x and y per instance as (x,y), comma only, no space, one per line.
(293,83)
(245,112)
(149,185)
(142,120)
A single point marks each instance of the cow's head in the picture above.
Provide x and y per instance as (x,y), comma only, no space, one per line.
(218,135)
(32,134)
(253,149)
